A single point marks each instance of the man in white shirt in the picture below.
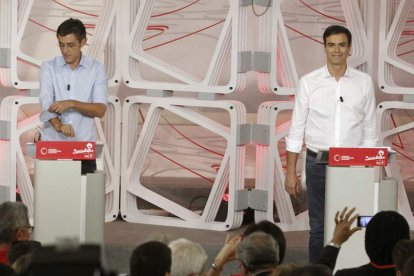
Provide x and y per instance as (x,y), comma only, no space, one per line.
(334,106)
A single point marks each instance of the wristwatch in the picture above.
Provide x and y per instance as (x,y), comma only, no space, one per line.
(334,244)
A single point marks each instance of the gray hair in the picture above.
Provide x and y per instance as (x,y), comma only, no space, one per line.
(188,258)
(13,215)
(258,251)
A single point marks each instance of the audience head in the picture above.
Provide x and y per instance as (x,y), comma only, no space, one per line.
(402,251)
(256,252)
(14,222)
(409,267)
(151,258)
(6,270)
(271,229)
(311,270)
(383,231)
(284,269)
(188,258)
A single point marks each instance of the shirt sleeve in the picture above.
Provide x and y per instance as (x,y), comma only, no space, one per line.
(47,93)
(100,86)
(294,140)
(369,122)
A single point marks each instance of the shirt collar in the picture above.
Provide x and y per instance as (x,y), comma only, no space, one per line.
(348,72)
(84,62)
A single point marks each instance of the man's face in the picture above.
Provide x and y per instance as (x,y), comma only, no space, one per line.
(70,47)
(337,49)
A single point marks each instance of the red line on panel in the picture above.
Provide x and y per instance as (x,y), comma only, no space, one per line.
(398,135)
(184,36)
(323,14)
(165,13)
(190,140)
(72,9)
(307,36)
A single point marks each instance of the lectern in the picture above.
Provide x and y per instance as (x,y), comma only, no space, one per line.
(353,180)
(67,205)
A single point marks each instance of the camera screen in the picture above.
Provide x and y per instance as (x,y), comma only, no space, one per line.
(363,221)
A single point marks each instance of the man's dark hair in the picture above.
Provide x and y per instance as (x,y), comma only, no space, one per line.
(403,250)
(13,215)
(150,258)
(336,29)
(311,270)
(72,26)
(271,229)
(383,231)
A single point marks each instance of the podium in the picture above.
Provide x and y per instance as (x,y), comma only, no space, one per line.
(353,179)
(67,205)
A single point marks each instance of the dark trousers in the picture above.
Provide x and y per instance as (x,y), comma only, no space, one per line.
(315,182)
(88,166)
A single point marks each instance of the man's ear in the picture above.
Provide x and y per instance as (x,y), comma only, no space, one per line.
(21,234)
(83,42)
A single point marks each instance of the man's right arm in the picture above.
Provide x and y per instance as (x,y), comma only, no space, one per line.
(66,130)
(292,185)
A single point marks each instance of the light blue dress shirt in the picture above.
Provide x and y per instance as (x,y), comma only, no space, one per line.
(58,82)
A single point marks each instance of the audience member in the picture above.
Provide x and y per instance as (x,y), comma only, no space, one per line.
(188,258)
(6,270)
(151,258)
(14,226)
(402,251)
(311,270)
(271,229)
(408,269)
(342,232)
(284,269)
(383,231)
(258,254)
(20,254)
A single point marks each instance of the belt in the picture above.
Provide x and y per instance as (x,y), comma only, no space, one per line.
(311,153)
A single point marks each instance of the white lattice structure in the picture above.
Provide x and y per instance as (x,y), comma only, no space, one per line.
(388,133)
(172,74)
(138,141)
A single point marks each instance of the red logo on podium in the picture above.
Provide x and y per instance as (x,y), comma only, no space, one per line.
(77,150)
(358,156)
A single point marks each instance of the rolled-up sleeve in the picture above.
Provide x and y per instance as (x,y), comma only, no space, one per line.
(294,140)
(100,86)
(46,96)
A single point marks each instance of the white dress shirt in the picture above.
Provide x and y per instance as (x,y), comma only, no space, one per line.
(333,113)
(58,82)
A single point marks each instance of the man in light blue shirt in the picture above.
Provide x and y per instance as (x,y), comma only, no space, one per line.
(73,90)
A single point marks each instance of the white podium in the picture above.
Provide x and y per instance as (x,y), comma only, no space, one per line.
(67,204)
(356,187)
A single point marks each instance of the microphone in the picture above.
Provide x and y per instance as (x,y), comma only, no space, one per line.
(341,99)
(68,87)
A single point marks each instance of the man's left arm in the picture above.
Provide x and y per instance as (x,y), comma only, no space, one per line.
(369,123)
(97,107)
(87,109)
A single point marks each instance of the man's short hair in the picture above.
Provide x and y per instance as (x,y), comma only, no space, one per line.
(409,266)
(403,250)
(258,251)
(150,258)
(271,229)
(383,231)
(336,29)
(188,258)
(13,215)
(72,26)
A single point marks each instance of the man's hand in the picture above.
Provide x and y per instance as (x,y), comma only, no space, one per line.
(343,223)
(292,184)
(60,106)
(66,130)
